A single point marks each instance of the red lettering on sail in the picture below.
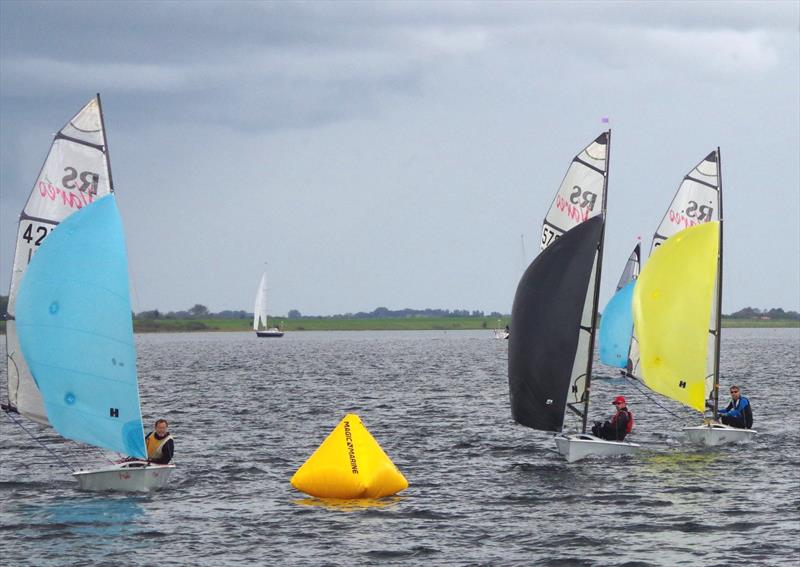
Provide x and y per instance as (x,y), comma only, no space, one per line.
(68,198)
(681,220)
(574,212)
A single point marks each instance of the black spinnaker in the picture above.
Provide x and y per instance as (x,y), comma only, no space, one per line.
(546,324)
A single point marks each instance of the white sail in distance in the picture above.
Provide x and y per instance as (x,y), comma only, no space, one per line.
(260,310)
(75,173)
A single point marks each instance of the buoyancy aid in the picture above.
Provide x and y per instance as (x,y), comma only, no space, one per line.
(155,445)
(629,425)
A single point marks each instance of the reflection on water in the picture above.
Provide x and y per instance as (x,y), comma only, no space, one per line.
(98,517)
(349,505)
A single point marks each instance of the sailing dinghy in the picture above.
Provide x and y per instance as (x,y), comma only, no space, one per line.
(71,355)
(500,332)
(554,315)
(260,322)
(677,304)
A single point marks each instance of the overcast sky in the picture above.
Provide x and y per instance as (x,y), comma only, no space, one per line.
(393,154)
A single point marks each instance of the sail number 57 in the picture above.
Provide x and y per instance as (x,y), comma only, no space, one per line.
(548,236)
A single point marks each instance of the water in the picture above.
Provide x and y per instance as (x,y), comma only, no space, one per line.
(246,413)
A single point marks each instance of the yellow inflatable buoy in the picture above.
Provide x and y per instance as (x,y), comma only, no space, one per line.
(349,464)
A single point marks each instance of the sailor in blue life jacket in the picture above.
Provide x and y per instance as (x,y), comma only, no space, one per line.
(620,424)
(160,446)
(739,413)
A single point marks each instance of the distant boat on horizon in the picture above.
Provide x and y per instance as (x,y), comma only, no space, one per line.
(260,320)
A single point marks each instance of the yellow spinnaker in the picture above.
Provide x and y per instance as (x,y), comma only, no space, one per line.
(672,303)
(349,464)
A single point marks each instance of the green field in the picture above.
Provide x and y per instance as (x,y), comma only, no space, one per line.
(314,324)
(389,324)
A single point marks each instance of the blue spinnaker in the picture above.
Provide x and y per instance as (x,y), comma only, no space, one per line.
(616,328)
(76,334)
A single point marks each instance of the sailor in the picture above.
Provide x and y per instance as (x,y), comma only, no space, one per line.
(620,424)
(739,413)
(160,446)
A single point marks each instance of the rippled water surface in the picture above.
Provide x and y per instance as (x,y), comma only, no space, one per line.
(246,413)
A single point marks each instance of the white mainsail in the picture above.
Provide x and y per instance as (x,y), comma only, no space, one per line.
(260,310)
(580,197)
(75,173)
(696,201)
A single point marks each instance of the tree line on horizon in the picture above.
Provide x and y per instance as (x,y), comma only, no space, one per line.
(199,311)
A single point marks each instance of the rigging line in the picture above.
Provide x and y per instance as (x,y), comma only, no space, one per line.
(652,399)
(59,459)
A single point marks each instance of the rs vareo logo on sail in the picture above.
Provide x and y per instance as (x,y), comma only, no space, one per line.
(85,182)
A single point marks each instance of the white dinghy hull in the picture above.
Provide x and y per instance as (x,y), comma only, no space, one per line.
(713,434)
(131,476)
(578,446)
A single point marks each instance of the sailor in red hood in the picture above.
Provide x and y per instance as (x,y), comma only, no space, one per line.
(620,424)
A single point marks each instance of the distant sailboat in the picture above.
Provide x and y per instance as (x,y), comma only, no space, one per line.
(554,315)
(500,332)
(71,354)
(677,303)
(260,322)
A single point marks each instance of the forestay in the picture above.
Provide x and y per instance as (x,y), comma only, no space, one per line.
(672,300)
(546,324)
(76,332)
(75,173)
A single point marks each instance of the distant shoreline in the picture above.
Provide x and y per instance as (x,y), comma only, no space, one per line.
(387,324)
(373,324)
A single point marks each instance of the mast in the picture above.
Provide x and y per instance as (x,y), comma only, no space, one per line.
(718,333)
(105,145)
(596,288)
